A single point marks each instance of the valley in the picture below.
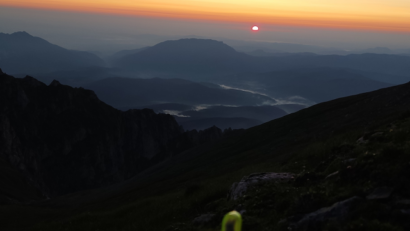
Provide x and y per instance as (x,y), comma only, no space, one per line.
(160,137)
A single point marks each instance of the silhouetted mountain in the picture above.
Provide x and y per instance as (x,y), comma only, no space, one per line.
(280,47)
(57,139)
(126,92)
(78,77)
(120,54)
(220,122)
(160,108)
(204,116)
(16,186)
(383,63)
(261,113)
(262,53)
(376,50)
(64,139)
(228,117)
(317,84)
(193,58)
(290,108)
(197,56)
(22,53)
(381,77)
(389,64)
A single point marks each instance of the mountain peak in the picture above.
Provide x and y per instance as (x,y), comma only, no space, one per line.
(186,56)
(27,54)
(55,83)
(21,34)
(196,44)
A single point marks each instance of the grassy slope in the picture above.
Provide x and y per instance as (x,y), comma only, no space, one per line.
(197,182)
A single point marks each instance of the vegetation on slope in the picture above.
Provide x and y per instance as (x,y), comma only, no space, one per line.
(381,160)
(312,143)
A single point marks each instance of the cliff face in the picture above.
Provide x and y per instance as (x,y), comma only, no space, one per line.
(65,139)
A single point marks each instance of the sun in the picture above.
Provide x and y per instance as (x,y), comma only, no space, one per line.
(255,28)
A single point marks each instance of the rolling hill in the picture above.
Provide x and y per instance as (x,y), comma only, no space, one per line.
(198,56)
(22,53)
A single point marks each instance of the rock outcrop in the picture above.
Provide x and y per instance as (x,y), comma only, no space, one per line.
(337,211)
(65,139)
(239,188)
(380,193)
(203,219)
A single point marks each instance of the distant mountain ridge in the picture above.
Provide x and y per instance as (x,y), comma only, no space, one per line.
(132,93)
(187,56)
(21,52)
(122,53)
(318,84)
(195,57)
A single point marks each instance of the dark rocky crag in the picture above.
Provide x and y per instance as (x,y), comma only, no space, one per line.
(65,139)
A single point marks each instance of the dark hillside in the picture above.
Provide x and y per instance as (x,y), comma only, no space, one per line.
(65,139)
(220,122)
(311,144)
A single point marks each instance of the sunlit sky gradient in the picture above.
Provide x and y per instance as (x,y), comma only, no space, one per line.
(341,23)
(380,15)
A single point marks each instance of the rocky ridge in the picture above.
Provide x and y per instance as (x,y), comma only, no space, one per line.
(65,139)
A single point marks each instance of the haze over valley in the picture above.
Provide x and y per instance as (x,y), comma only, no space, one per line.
(202,73)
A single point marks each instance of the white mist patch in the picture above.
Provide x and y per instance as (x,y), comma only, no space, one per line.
(174,113)
(206,106)
(245,90)
(279,101)
(201,107)
(291,100)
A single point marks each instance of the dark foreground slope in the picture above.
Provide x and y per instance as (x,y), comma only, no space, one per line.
(311,143)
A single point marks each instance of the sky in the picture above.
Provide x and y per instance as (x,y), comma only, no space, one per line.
(92,24)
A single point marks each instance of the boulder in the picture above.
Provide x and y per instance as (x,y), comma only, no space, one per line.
(361,140)
(380,193)
(337,211)
(332,175)
(405,211)
(239,188)
(203,219)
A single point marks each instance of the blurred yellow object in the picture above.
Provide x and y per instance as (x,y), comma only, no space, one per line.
(232,222)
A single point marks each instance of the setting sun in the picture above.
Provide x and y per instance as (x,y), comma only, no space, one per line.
(255,28)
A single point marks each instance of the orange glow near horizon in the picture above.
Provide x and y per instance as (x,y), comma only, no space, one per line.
(373,15)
